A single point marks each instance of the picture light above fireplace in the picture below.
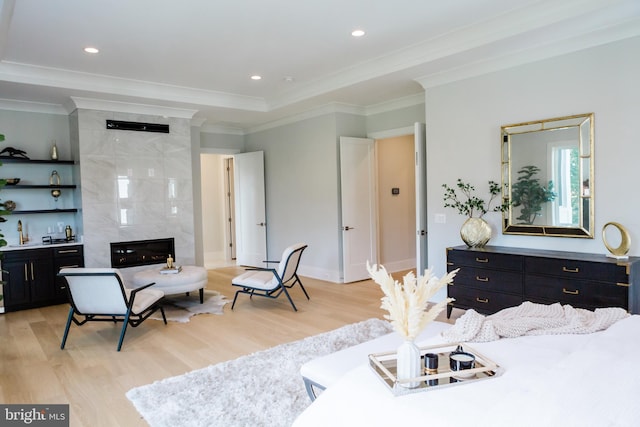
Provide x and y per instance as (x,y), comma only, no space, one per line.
(137,126)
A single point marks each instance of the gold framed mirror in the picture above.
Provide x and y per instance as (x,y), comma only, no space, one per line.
(548,177)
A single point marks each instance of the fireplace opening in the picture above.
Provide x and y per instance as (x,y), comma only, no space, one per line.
(141,252)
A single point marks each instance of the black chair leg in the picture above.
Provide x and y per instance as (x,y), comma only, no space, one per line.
(66,329)
(284,289)
(124,328)
(234,299)
(202,296)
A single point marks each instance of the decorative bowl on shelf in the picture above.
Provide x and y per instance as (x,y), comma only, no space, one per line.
(12,181)
(10,205)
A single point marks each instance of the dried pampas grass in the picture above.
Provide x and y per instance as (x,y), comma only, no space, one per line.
(407,302)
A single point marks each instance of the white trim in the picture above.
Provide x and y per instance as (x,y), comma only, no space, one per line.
(132,108)
(396,104)
(95,83)
(319,274)
(334,107)
(513,59)
(32,107)
(392,133)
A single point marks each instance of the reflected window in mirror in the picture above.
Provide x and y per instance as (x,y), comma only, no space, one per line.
(547,176)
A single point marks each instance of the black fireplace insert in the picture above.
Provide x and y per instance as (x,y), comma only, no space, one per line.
(142,252)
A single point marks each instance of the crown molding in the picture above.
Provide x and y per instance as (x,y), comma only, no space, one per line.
(395,104)
(132,108)
(32,107)
(332,108)
(94,83)
(629,29)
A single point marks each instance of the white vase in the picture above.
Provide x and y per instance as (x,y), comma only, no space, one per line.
(475,232)
(408,363)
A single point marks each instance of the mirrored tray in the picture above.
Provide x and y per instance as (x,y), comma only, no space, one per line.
(384,366)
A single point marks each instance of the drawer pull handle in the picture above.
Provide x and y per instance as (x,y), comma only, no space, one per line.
(482,300)
(68,251)
(625,285)
(69,266)
(482,260)
(482,279)
(565,291)
(571,270)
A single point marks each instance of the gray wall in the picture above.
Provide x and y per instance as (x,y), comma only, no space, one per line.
(463,137)
(301,178)
(33,132)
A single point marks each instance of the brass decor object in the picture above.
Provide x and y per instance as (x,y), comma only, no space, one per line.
(548,177)
(621,251)
(54,180)
(475,232)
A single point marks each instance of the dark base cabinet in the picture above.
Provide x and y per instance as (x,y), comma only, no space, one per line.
(30,276)
(493,278)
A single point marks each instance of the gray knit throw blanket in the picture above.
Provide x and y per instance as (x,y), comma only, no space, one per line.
(531,319)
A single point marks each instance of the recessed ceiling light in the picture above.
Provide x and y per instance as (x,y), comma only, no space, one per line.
(256,77)
(90,49)
(357,33)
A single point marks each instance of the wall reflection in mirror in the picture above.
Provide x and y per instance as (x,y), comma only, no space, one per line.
(547,176)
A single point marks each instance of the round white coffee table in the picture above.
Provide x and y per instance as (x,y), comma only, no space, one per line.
(190,278)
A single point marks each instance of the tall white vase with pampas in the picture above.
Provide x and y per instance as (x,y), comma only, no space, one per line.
(408,364)
(407,306)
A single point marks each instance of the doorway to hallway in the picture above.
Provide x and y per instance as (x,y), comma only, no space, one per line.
(218,213)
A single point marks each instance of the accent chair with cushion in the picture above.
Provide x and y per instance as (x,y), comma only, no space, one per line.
(272,282)
(99,295)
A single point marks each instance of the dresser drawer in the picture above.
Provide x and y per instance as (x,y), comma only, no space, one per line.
(482,301)
(577,293)
(64,251)
(570,269)
(493,280)
(457,258)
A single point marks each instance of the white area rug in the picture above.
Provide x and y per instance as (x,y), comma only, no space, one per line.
(180,308)
(261,389)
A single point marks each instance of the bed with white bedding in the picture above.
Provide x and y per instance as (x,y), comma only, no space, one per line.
(548,380)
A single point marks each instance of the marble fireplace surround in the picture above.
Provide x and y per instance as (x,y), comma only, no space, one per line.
(134,185)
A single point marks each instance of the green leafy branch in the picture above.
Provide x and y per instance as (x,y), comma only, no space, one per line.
(467,203)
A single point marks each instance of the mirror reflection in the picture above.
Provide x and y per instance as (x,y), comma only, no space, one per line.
(547,176)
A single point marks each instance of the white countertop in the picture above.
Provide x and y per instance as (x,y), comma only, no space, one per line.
(34,245)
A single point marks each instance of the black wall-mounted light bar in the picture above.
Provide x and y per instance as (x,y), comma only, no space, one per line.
(137,126)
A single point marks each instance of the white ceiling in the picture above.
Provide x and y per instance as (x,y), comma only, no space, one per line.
(199,54)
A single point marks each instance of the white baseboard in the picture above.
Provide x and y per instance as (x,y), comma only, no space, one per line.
(319,273)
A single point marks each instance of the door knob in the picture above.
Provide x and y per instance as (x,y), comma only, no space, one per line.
(347,228)
(261,224)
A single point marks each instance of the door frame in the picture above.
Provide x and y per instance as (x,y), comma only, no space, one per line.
(393,133)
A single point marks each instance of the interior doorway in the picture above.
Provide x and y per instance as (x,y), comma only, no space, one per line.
(218,212)
(396,202)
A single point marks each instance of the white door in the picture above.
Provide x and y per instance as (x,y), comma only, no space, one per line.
(357,184)
(421,197)
(251,224)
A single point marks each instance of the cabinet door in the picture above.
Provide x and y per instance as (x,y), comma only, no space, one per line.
(41,280)
(16,289)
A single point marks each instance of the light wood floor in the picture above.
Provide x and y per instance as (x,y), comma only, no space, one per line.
(93,377)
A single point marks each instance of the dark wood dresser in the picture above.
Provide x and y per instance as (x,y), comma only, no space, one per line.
(495,277)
